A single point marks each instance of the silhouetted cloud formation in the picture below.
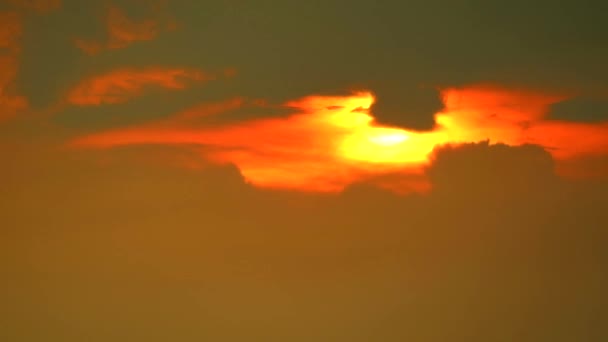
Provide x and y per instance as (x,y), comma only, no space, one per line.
(501,248)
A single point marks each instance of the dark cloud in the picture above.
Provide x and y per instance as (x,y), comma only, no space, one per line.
(403,106)
(581,110)
(131,249)
(393,48)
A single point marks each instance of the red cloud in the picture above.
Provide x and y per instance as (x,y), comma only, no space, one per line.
(124,84)
(123,31)
(10,47)
(331,142)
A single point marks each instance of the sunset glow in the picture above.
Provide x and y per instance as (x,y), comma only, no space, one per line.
(331,142)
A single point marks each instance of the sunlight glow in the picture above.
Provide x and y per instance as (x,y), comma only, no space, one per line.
(331,142)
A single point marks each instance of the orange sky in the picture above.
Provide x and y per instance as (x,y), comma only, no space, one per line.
(330,142)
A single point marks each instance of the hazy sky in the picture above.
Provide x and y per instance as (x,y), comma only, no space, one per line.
(237,170)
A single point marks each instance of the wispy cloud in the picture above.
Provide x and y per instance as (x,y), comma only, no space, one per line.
(123,31)
(121,85)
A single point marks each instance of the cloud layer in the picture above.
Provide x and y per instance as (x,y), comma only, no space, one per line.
(501,248)
(331,142)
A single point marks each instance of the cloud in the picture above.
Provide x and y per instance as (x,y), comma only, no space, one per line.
(331,142)
(589,109)
(114,244)
(123,31)
(122,85)
(42,6)
(501,248)
(10,47)
(515,117)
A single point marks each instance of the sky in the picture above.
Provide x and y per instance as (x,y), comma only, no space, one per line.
(234,170)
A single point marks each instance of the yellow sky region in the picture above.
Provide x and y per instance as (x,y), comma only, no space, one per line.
(365,141)
(331,142)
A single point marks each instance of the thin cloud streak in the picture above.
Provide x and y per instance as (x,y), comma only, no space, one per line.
(122,85)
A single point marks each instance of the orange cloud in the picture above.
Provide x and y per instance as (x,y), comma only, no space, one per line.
(123,31)
(42,6)
(124,84)
(331,142)
(10,48)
